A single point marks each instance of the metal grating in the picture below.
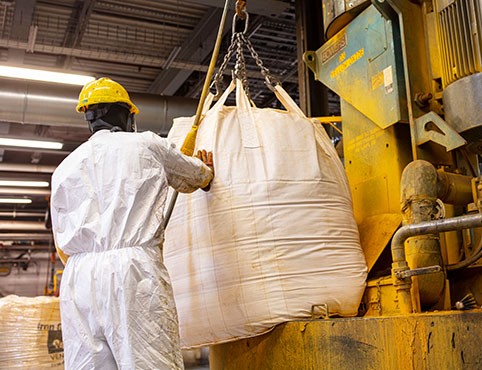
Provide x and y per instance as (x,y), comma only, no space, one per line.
(460,34)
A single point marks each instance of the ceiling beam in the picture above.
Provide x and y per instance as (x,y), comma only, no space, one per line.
(79,18)
(142,60)
(22,20)
(269,8)
(198,46)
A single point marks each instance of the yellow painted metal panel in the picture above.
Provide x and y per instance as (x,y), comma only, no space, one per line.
(442,340)
(375,233)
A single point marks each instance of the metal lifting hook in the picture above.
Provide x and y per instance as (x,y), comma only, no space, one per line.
(241,9)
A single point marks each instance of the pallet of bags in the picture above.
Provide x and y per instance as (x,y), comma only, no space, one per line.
(30,333)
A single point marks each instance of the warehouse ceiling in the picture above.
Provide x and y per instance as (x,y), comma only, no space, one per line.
(156,47)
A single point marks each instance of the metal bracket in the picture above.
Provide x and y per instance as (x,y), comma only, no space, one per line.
(418,271)
(323,313)
(430,127)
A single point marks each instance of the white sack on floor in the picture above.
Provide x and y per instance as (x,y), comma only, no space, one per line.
(30,333)
(273,237)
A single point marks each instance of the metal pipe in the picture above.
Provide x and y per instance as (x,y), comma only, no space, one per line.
(32,248)
(16,214)
(421,185)
(418,199)
(453,188)
(431,227)
(403,286)
(54,105)
(25,236)
(38,150)
(22,225)
(18,167)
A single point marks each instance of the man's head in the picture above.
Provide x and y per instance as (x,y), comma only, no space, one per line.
(106,105)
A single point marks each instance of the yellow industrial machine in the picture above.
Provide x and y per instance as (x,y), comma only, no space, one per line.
(409,75)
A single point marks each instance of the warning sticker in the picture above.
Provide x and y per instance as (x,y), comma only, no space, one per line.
(377,80)
(388,79)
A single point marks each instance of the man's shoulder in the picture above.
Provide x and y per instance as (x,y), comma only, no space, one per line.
(69,166)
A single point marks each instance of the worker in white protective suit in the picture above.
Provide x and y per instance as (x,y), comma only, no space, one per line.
(108,196)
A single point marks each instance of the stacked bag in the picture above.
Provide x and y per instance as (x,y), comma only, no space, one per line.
(275,236)
(30,333)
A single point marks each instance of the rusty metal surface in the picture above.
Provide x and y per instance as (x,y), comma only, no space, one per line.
(454,188)
(338,13)
(442,340)
(380,298)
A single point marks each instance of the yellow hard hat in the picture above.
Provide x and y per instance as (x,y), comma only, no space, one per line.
(104,90)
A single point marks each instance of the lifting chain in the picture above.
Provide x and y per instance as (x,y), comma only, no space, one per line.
(238,40)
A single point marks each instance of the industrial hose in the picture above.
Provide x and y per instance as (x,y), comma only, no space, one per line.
(468,261)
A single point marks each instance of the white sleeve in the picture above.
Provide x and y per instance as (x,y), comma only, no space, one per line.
(185,174)
(57,208)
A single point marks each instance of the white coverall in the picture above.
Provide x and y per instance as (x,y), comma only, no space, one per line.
(116,301)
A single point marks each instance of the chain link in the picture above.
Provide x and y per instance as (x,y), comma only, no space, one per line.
(270,81)
(218,78)
(240,66)
(238,40)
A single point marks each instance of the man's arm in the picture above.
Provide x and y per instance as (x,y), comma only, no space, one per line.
(185,174)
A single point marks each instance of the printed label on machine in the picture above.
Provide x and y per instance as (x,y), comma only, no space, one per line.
(337,45)
(347,63)
(377,80)
(388,79)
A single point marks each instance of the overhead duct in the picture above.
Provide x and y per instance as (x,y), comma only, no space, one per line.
(24,236)
(16,214)
(54,105)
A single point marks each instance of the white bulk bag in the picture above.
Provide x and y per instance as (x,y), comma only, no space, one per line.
(274,236)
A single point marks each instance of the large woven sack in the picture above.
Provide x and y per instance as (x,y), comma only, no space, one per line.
(30,333)
(274,237)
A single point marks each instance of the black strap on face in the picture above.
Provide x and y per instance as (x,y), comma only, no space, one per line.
(131,123)
(92,115)
(97,116)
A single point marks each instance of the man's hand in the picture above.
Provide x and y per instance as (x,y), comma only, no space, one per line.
(207,159)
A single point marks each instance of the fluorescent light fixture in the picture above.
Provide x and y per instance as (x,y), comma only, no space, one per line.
(30,143)
(17,201)
(35,184)
(40,75)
